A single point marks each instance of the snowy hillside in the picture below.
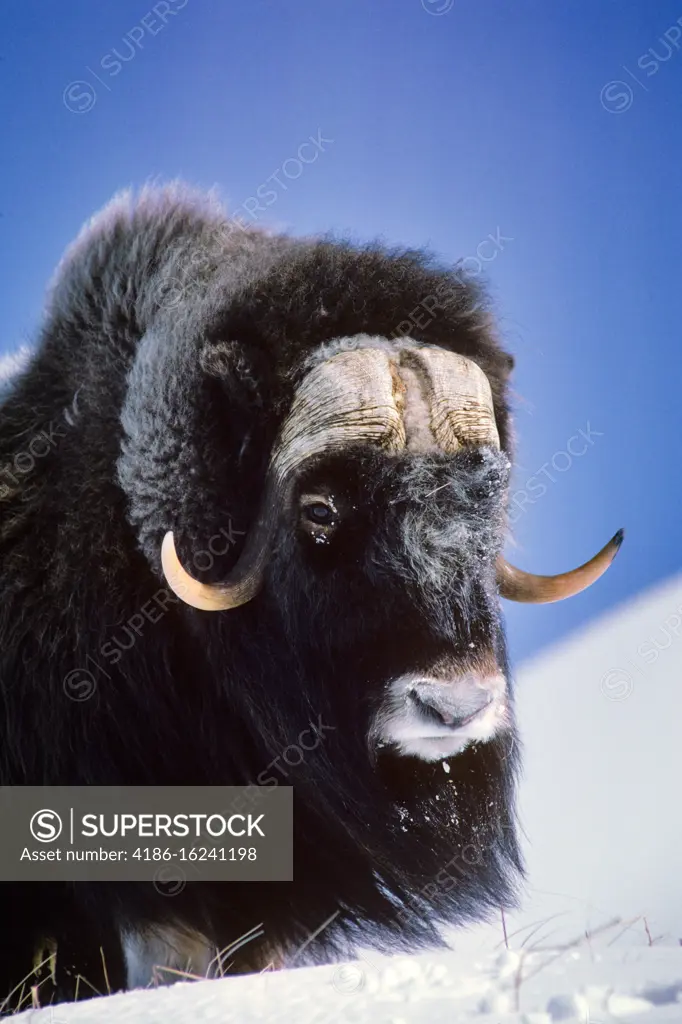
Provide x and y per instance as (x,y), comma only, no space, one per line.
(598,938)
(601,721)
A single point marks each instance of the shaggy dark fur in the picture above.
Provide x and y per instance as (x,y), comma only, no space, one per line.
(172,346)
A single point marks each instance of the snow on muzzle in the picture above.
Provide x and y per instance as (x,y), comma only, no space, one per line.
(432,717)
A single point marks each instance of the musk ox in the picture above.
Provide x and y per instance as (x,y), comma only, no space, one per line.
(330,424)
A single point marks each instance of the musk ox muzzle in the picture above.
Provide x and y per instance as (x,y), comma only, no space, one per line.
(415,398)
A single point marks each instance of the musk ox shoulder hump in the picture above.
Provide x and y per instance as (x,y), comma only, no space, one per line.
(142,253)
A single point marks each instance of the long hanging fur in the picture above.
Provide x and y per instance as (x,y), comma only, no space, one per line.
(172,345)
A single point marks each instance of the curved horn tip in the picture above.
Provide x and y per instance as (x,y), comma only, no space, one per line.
(613,546)
(206,597)
(517,585)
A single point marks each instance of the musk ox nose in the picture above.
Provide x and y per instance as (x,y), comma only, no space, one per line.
(438,715)
(447,705)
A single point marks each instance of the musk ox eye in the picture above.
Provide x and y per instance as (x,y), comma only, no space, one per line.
(319,515)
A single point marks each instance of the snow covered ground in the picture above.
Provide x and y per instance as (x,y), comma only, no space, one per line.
(591,983)
(598,938)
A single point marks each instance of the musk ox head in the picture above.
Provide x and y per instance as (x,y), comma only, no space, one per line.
(381,523)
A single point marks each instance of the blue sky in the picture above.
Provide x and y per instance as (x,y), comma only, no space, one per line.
(555,129)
